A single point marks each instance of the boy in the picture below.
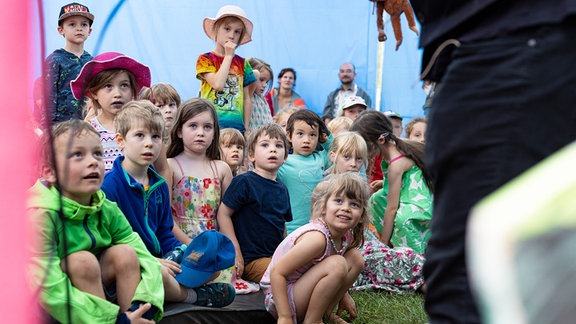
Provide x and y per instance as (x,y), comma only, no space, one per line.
(305,167)
(255,207)
(142,194)
(353,106)
(89,256)
(64,65)
(396,120)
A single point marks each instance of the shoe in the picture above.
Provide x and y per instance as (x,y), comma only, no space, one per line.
(217,294)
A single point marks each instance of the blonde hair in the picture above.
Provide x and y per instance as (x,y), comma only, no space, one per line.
(347,143)
(352,186)
(408,128)
(139,111)
(339,122)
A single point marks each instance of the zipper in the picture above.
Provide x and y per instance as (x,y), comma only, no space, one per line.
(92,238)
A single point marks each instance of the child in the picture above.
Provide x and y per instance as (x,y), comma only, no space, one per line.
(353,106)
(305,166)
(110,80)
(64,65)
(256,206)
(260,111)
(143,196)
(313,268)
(283,115)
(232,145)
(339,124)
(200,178)
(89,256)
(225,76)
(396,269)
(416,130)
(166,98)
(402,209)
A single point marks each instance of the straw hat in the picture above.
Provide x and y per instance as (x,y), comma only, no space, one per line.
(229,11)
(108,61)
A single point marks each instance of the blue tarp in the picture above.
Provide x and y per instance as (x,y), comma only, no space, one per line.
(314,37)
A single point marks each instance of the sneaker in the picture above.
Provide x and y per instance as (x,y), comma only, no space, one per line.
(217,294)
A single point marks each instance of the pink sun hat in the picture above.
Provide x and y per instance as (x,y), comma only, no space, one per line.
(109,61)
(229,11)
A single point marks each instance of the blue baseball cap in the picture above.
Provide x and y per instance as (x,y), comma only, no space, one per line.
(209,252)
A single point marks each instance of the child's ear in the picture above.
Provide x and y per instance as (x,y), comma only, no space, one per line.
(332,156)
(251,157)
(49,174)
(61,31)
(120,140)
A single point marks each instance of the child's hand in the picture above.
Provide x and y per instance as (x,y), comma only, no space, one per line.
(347,304)
(135,317)
(172,266)
(284,320)
(239,265)
(229,48)
(376,185)
(323,138)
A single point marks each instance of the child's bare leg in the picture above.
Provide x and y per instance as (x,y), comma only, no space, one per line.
(173,291)
(355,264)
(120,264)
(84,272)
(380,20)
(317,288)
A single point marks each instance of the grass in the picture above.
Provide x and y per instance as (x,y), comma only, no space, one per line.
(383,307)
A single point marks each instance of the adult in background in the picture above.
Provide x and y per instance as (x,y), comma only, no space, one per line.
(484,133)
(333,107)
(284,96)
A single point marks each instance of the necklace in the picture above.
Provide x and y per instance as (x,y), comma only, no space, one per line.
(339,251)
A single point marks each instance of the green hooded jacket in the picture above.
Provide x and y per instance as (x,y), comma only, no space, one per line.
(88,228)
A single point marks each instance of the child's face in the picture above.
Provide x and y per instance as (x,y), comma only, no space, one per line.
(262,81)
(80,166)
(269,154)
(342,213)
(75,29)
(197,133)
(113,95)
(141,147)
(418,133)
(346,162)
(168,110)
(304,138)
(232,154)
(353,112)
(282,120)
(396,126)
(229,31)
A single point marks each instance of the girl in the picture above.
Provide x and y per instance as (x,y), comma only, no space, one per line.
(416,130)
(283,115)
(398,269)
(313,268)
(199,177)
(110,80)
(225,76)
(339,124)
(166,98)
(260,111)
(232,144)
(402,209)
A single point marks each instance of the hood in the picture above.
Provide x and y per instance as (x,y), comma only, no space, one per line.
(45,196)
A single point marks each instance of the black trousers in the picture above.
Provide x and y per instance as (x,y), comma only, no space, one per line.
(505,104)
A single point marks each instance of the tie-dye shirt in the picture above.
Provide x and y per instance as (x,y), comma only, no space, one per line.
(229,102)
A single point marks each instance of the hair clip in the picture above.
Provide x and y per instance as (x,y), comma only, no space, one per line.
(384,135)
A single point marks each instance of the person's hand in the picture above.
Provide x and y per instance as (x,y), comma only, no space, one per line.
(172,266)
(229,48)
(284,320)
(323,138)
(376,185)
(135,317)
(239,265)
(347,304)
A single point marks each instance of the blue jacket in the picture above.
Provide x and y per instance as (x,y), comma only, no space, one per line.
(148,212)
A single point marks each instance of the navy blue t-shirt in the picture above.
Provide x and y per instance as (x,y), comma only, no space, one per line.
(261,208)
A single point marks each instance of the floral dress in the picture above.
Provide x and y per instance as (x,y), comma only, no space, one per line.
(397,270)
(195,202)
(260,113)
(412,222)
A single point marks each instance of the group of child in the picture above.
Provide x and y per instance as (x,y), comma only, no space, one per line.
(168,196)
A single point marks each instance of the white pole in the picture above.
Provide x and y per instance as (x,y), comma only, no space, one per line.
(379,70)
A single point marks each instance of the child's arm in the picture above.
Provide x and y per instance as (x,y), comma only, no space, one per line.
(309,246)
(163,168)
(247,107)
(218,80)
(225,176)
(224,218)
(395,172)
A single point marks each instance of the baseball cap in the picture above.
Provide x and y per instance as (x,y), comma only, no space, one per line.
(209,252)
(392,114)
(75,9)
(353,100)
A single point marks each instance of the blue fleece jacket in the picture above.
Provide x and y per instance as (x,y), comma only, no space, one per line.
(148,211)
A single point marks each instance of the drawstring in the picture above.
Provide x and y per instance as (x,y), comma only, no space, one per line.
(437,52)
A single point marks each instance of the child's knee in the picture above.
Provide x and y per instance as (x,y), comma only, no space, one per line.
(124,257)
(82,264)
(337,265)
(355,261)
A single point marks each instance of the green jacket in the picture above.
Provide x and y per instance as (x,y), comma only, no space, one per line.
(90,228)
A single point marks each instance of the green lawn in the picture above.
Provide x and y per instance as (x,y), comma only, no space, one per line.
(383,307)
